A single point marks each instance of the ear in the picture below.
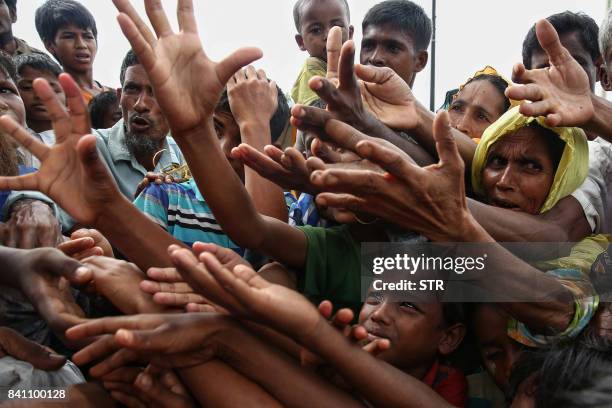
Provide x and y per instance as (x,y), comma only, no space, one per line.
(351,31)
(604,77)
(13,15)
(300,42)
(451,339)
(50,46)
(421,61)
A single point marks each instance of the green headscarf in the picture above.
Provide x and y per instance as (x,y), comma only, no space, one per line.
(573,166)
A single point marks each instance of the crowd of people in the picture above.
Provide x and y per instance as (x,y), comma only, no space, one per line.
(194,237)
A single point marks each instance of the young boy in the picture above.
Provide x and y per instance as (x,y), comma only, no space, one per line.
(69,33)
(29,67)
(313,20)
(104,110)
(180,208)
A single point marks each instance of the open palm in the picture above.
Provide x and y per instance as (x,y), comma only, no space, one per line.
(186,82)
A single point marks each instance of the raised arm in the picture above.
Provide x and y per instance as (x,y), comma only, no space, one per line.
(188,85)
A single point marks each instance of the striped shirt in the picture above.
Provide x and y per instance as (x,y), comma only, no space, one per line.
(181,210)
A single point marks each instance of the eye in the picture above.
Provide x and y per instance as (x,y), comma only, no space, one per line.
(456,108)
(497,162)
(6,90)
(316,30)
(483,117)
(408,305)
(532,166)
(393,49)
(375,298)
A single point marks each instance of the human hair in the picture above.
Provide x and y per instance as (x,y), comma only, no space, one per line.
(99,105)
(7,66)
(605,33)
(453,313)
(12,6)
(299,5)
(498,82)
(564,374)
(55,14)
(39,62)
(566,22)
(401,15)
(129,60)
(279,119)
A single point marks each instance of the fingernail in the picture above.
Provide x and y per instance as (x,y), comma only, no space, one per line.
(144,381)
(317,84)
(82,271)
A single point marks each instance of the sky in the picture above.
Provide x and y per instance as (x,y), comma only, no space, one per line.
(470,34)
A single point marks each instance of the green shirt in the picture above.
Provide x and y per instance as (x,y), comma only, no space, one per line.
(333,270)
(301,92)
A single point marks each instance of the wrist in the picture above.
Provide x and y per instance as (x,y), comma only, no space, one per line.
(598,124)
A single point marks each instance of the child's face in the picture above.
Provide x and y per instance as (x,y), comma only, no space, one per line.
(74,47)
(35,109)
(228,133)
(497,351)
(112,115)
(317,18)
(384,46)
(414,330)
(10,101)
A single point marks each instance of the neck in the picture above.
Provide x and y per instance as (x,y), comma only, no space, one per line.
(418,372)
(146,158)
(40,125)
(8,43)
(83,78)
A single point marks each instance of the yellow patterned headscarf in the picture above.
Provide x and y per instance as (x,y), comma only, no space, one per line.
(489,70)
(573,166)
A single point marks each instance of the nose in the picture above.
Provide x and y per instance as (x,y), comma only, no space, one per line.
(463,125)
(142,104)
(377,58)
(382,314)
(80,43)
(506,180)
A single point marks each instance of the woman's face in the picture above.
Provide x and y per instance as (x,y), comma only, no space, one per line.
(475,107)
(519,171)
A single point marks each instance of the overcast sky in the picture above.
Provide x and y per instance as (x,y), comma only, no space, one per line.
(470,34)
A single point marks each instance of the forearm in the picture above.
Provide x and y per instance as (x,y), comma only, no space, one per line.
(351,362)
(424,135)
(135,235)
(273,370)
(601,123)
(266,195)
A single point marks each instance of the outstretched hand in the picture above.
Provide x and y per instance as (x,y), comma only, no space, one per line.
(429,200)
(186,82)
(71,172)
(562,92)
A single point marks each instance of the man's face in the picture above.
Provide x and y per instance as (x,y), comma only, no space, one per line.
(74,47)
(141,114)
(6,18)
(572,42)
(317,18)
(10,101)
(35,109)
(384,46)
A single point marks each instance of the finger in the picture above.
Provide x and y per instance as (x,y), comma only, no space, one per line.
(165,275)
(141,47)
(250,72)
(343,201)
(125,7)
(105,325)
(347,60)
(535,109)
(238,282)
(157,17)
(377,346)
(314,164)
(155,287)
(156,391)
(359,333)
(342,318)
(344,135)
(390,159)
(200,308)
(373,74)
(95,251)
(529,92)
(177,299)
(445,142)
(293,160)
(117,360)
(325,152)
(93,167)
(75,246)
(232,63)
(186,17)
(324,88)
(17,346)
(27,237)
(79,114)
(123,374)
(520,75)
(325,308)
(102,347)
(334,45)
(56,110)
(549,40)
(309,117)
(17,132)
(553,119)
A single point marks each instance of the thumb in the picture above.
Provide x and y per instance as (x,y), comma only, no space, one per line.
(376,75)
(20,348)
(325,309)
(236,60)
(143,340)
(445,141)
(69,268)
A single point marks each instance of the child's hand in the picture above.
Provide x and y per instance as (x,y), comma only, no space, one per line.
(252,97)
(186,82)
(247,295)
(169,289)
(99,240)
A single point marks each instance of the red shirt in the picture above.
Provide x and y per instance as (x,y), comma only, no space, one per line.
(449,382)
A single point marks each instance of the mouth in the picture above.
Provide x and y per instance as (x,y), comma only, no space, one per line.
(140,124)
(505,204)
(38,108)
(82,57)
